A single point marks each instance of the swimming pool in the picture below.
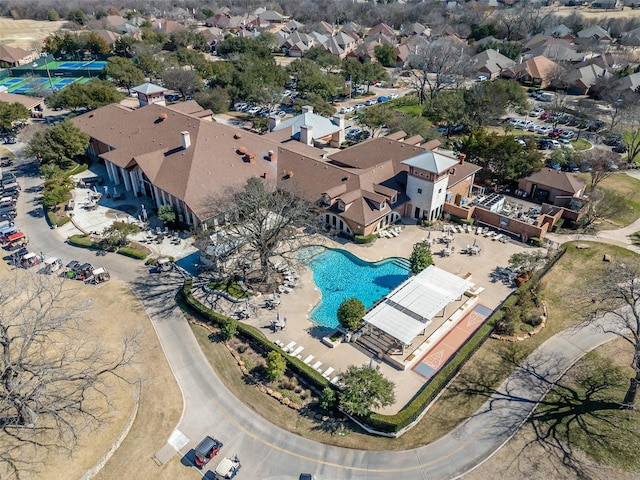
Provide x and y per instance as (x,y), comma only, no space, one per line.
(340,275)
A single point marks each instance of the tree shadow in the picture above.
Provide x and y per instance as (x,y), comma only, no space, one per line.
(573,406)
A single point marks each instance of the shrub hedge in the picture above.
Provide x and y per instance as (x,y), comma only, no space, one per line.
(296,365)
(364,238)
(83,242)
(132,252)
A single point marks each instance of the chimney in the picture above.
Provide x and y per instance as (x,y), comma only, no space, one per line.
(272,156)
(307,109)
(306,134)
(186,139)
(338,137)
(338,119)
(274,121)
(461,157)
(265,175)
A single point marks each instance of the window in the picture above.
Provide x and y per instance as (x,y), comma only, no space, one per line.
(419,190)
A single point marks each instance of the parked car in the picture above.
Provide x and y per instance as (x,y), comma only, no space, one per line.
(544,144)
(612,140)
(9,140)
(555,144)
(393,96)
(354,132)
(206,450)
(620,148)
(567,135)
(543,129)
(482,78)
(544,116)
(556,132)
(359,106)
(346,109)
(383,99)
(565,143)
(253,110)
(536,112)
(585,167)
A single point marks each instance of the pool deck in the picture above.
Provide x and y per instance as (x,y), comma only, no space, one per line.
(296,306)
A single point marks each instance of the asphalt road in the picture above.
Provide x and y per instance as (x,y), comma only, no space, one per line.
(268,452)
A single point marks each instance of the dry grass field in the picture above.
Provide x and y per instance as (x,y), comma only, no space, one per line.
(24,33)
(594,14)
(113,313)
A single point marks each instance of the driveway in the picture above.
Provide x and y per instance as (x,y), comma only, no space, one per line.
(267,452)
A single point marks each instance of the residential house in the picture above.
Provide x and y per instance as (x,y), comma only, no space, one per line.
(557,51)
(271,16)
(166,26)
(560,31)
(595,34)
(308,128)
(579,81)
(552,186)
(628,87)
(537,71)
(490,63)
(632,37)
(15,56)
(326,28)
(352,27)
(108,36)
(415,29)
(382,28)
(114,21)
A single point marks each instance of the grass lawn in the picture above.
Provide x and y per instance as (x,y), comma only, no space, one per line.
(415,110)
(582,410)
(581,144)
(485,371)
(629,188)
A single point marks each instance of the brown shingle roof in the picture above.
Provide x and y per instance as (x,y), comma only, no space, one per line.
(27,101)
(558,180)
(209,166)
(373,152)
(12,54)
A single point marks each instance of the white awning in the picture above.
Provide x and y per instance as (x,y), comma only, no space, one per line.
(409,309)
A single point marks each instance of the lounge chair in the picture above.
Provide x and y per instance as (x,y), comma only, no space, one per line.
(289,346)
(307,360)
(327,373)
(316,365)
(335,380)
(297,351)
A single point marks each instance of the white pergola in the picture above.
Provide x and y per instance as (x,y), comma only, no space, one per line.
(407,311)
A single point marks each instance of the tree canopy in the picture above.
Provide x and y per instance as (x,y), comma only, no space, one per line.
(124,72)
(79,96)
(420,257)
(350,313)
(10,113)
(364,389)
(58,144)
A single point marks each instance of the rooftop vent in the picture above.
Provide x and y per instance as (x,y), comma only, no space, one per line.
(242,150)
(163,116)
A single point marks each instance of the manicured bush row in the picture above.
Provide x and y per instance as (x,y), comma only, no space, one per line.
(247,331)
(535,241)
(132,252)
(83,242)
(364,238)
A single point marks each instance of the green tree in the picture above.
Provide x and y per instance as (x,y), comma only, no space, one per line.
(364,389)
(186,38)
(58,144)
(56,191)
(276,366)
(319,104)
(353,70)
(76,16)
(326,61)
(124,46)
(184,81)
(53,15)
(420,257)
(167,214)
(385,54)
(375,118)
(96,44)
(328,400)
(511,50)
(350,313)
(372,72)
(487,102)
(116,234)
(61,43)
(146,61)
(10,113)
(124,72)
(215,99)
(233,45)
(229,328)
(91,95)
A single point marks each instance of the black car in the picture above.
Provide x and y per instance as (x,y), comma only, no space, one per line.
(620,148)
(612,140)
(9,140)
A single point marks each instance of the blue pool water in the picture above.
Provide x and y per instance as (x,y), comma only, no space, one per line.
(340,275)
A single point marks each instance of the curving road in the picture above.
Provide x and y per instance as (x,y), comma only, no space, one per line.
(268,452)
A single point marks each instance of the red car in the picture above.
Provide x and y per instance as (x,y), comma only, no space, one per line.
(556,133)
(544,116)
(206,450)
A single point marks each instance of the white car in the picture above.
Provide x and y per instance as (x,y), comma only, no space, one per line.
(359,106)
(253,110)
(537,112)
(346,109)
(555,143)
(371,101)
(482,78)
(392,96)
(543,129)
(239,107)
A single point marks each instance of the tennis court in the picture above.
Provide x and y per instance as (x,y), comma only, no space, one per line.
(29,85)
(57,65)
(38,85)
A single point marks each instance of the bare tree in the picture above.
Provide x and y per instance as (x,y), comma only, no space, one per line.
(601,162)
(618,297)
(602,207)
(434,63)
(50,372)
(260,221)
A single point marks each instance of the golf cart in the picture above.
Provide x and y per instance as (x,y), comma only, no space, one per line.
(206,450)
(99,275)
(82,272)
(52,264)
(227,468)
(30,259)
(15,241)
(164,264)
